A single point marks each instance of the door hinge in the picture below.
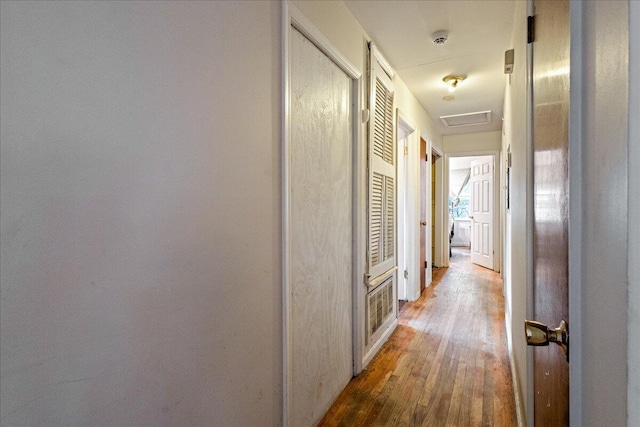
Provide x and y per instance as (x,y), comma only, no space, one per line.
(406,274)
(426,264)
(406,150)
(531,29)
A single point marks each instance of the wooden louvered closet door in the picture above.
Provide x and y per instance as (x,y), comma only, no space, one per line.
(381,233)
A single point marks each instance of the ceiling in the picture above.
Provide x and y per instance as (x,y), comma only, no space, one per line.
(479,34)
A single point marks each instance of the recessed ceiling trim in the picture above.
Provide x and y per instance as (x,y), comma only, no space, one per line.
(467,119)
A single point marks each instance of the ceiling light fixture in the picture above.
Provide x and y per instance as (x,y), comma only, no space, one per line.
(453,81)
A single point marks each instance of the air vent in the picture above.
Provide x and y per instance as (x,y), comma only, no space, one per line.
(479,118)
(379,306)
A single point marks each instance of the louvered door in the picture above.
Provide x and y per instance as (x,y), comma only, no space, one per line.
(382,171)
(381,295)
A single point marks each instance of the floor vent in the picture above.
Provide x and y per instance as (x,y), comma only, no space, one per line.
(478,118)
(379,306)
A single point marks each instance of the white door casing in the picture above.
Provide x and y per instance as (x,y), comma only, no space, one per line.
(402,138)
(408,191)
(482,212)
(431,221)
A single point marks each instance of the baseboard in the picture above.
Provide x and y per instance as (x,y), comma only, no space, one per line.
(520,413)
(383,339)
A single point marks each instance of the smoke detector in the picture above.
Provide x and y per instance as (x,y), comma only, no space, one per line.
(440,37)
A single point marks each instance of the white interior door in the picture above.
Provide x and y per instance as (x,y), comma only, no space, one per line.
(482,212)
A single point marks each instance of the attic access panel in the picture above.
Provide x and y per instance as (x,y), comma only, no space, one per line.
(467,119)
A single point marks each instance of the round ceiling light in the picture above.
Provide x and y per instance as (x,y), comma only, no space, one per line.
(453,81)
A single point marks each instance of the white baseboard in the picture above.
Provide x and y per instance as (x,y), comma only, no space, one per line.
(374,349)
(520,413)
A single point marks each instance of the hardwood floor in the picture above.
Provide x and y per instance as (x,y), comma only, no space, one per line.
(445,365)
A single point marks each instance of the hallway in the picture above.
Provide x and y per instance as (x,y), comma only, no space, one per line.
(446,364)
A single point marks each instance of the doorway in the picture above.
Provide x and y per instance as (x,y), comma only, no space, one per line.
(472,209)
(407,144)
(428,201)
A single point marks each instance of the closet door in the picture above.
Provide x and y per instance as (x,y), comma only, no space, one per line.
(320,226)
(381,231)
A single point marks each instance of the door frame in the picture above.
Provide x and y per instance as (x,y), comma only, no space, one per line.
(407,231)
(497,224)
(427,200)
(292,17)
(439,198)
(574,152)
(478,217)
(424,202)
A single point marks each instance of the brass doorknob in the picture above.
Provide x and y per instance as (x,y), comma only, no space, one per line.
(423,222)
(539,334)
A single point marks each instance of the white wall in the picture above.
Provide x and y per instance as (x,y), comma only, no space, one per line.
(480,141)
(140,186)
(460,163)
(604,206)
(462,233)
(338,25)
(408,104)
(633,362)
(517,246)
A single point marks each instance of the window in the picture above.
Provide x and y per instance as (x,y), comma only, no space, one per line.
(459,193)
(461,210)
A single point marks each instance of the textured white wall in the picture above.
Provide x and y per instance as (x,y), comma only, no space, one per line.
(516,245)
(339,26)
(140,218)
(634,208)
(410,107)
(480,141)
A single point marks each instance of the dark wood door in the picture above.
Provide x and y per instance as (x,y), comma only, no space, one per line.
(551,204)
(423,213)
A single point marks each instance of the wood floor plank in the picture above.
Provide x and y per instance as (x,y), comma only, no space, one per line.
(445,365)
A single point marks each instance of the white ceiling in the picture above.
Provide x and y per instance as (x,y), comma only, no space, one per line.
(479,34)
